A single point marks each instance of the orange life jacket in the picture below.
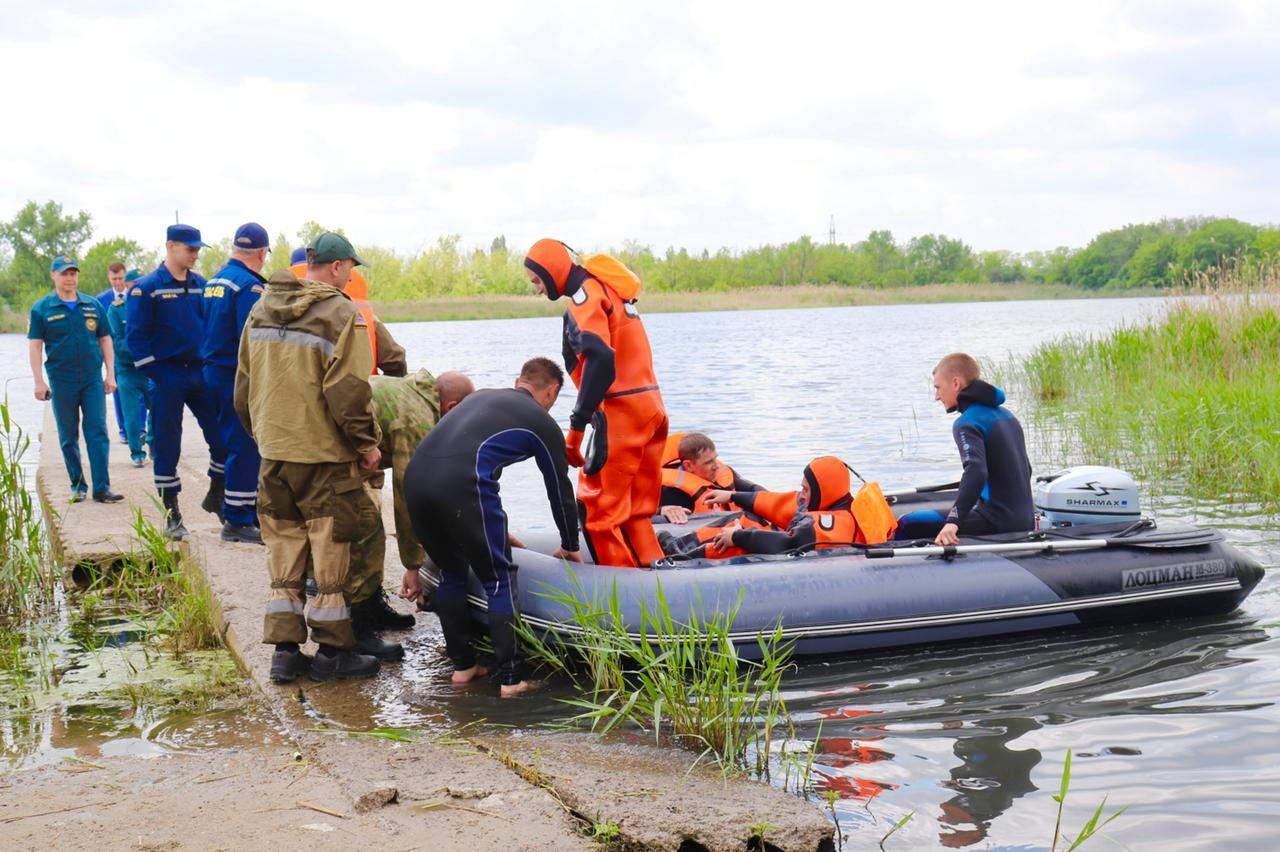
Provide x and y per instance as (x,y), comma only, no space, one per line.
(868,520)
(357,291)
(695,486)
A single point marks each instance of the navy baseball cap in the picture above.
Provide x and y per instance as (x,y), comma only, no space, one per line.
(299,256)
(184,234)
(250,236)
(63,261)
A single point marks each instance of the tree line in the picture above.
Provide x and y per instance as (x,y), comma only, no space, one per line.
(1156,254)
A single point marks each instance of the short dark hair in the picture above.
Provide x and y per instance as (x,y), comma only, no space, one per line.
(542,373)
(695,444)
(116,266)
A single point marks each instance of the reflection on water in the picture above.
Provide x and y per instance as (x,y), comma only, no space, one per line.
(1176,721)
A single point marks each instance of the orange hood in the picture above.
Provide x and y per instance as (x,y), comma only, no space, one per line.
(828,479)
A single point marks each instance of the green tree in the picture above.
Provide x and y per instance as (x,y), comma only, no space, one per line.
(1154,264)
(35,236)
(1214,243)
(936,259)
(100,255)
(1267,243)
(278,258)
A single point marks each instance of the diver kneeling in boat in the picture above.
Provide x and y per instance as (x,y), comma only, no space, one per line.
(823,514)
(995,488)
(690,469)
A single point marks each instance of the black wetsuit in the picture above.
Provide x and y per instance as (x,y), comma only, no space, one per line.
(995,488)
(451,488)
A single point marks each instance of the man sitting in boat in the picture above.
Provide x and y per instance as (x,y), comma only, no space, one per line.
(995,488)
(691,468)
(823,514)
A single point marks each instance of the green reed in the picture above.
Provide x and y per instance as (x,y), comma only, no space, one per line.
(1193,395)
(26,582)
(681,679)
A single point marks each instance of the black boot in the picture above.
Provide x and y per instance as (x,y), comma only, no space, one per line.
(174,530)
(212,502)
(288,662)
(331,663)
(377,613)
(246,534)
(367,640)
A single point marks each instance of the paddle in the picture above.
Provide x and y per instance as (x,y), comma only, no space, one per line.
(923,489)
(1060,541)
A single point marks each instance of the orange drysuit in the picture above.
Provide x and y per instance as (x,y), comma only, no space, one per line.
(607,353)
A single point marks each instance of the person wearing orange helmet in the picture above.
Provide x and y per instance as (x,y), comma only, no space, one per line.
(607,353)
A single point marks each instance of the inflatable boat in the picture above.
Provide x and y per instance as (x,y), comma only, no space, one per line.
(1096,561)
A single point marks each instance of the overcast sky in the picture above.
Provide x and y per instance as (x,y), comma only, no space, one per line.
(1009,125)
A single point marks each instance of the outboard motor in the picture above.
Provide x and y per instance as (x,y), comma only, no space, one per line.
(1086,494)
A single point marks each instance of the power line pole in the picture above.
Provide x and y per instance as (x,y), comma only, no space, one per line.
(831,231)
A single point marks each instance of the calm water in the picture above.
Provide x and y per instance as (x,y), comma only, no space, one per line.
(1176,721)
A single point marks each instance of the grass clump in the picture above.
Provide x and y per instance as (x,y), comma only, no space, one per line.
(26,583)
(1193,395)
(681,679)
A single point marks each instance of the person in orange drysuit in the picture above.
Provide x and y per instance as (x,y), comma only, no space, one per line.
(607,353)
(690,468)
(389,357)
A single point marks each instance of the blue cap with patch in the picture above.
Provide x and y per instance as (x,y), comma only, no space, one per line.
(299,256)
(64,261)
(250,236)
(184,234)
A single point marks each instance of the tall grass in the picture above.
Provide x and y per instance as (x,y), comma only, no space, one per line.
(1193,395)
(26,583)
(680,679)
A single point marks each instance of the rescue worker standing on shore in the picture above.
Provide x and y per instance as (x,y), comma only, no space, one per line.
(606,351)
(389,357)
(131,385)
(406,407)
(228,298)
(165,323)
(302,392)
(115,291)
(70,329)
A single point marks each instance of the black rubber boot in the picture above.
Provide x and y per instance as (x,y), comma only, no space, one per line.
(368,642)
(287,663)
(341,664)
(235,532)
(212,502)
(174,529)
(377,614)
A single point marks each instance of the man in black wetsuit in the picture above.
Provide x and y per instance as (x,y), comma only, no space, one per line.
(451,488)
(995,488)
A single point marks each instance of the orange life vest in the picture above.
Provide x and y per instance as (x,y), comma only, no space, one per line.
(357,291)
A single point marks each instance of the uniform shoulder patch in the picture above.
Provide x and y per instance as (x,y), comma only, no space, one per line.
(136,291)
(579,296)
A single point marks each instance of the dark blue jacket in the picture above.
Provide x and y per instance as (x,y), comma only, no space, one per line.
(107,296)
(71,347)
(228,298)
(165,318)
(996,483)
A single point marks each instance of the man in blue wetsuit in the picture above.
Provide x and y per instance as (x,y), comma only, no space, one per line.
(228,297)
(165,313)
(115,278)
(451,488)
(995,487)
(70,330)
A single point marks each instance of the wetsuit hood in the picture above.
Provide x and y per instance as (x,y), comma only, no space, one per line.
(550,260)
(978,391)
(287,298)
(828,479)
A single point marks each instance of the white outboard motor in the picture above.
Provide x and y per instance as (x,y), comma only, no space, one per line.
(1086,494)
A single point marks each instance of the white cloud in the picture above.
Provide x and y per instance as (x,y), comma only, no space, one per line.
(1008,125)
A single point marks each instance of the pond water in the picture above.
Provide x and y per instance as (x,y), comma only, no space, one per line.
(1174,720)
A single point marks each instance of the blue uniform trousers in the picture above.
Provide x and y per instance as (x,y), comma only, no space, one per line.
(174,384)
(136,394)
(71,400)
(240,506)
(124,432)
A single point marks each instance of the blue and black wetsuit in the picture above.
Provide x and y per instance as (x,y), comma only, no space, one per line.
(451,488)
(995,488)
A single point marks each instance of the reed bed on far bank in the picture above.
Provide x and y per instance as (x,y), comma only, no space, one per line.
(1192,396)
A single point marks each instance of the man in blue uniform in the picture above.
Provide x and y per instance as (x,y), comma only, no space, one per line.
(228,298)
(165,312)
(131,385)
(115,278)
(70,329)
(995,488)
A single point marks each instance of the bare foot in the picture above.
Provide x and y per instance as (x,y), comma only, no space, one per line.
(524,687)
(467,675)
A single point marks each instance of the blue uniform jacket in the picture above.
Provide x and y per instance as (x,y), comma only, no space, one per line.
(228,298)
(118,321)
(106,297)
(165,318)
(72,351)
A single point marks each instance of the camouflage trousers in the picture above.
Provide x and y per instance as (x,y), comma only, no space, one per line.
(310,515)
(368,551)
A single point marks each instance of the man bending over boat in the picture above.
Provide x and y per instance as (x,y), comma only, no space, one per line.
(823,514)
(690,469)
(995,488)
(451,487)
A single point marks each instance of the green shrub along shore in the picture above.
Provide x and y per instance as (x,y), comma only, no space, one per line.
(1191,398)
(447,280)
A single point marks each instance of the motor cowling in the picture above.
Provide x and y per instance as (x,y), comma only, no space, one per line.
(1086,494)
